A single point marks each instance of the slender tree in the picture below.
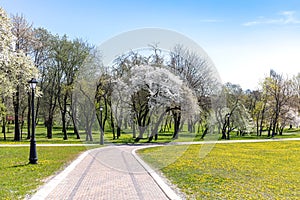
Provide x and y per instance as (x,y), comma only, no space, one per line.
(69,57)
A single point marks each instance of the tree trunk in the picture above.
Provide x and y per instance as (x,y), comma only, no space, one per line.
(257,126)
(125,123)
(176,117)
(64,128)
(262,120)
(75,128)
(76,132)
(269,129)
(89,136)
(204,132)
(224,131)
(133,130)
(274,128)
(142,130)
(63,117)
(16,110)
(4,127)
(73,115)
(49,125)
(281,130)
(228,133)
(155,129)
(118,132)
(119,125)
(112,124)
(22,123)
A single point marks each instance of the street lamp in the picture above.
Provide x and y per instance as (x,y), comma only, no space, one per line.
(101,128)
(33,154)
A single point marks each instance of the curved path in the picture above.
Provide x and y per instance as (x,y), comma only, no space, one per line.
(113,172)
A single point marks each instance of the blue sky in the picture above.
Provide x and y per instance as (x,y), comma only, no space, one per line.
(244,38)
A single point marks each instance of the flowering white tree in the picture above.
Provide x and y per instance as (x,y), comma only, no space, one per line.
(6,54)
(16,68)
(150,93)
(6,47)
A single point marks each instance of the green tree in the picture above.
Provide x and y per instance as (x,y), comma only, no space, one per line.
(40,53)
(69,57)
(278,92)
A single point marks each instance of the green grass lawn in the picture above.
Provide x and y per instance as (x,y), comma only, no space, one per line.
(126,136)
(268,170)
(19,178)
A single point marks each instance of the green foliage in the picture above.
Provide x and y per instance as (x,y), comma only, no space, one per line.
(19,178)
(232,171)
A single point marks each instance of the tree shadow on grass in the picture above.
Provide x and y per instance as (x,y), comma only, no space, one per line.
(20,165)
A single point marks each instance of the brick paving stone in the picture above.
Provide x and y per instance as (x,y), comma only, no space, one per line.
(107,173)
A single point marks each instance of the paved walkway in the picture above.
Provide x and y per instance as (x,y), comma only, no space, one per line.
(113,172)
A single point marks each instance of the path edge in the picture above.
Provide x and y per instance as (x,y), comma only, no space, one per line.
(49,186)
(169,192)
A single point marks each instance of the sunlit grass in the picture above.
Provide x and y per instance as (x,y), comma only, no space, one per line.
(127,136)
(19,178)
(232,171)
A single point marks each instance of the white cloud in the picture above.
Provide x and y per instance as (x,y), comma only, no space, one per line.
(286,17)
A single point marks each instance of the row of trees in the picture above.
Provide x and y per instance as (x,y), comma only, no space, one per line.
(28,52)
(149,89)
(273,107)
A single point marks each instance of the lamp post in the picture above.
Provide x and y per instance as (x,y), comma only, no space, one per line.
(101,128)
(33,154)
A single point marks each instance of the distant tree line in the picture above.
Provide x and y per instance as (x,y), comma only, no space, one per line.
(153,91)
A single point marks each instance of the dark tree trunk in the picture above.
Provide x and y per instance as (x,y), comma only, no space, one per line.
(112,124)
(228,134)
(143,121)
(37,111)
(224,131)
(281,130)
(49,125)
(133,130)
(73,115)
(63,116)
(262,120)
(118,132)
(204,132)
(76,132)
(16,110)
(3,128)
(22,123)
(269,129)
(257,125)
(64,128)
(176,117)
(274,129)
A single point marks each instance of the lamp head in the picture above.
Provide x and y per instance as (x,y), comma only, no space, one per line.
(32,83)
